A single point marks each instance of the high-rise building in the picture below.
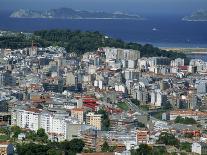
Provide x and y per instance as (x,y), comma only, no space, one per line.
(94,120)
(28,119)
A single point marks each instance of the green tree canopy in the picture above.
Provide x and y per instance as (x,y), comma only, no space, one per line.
(105,122)
(16,130)
(168,139)
(105,147)
(41,135)
(185,146)
(143,149)
(51,148)
(185,120)
(76,145)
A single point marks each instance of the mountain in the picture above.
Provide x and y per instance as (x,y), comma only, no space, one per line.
(200,15)
(67,13)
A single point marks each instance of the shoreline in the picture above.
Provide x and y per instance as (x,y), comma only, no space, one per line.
(187,51)
(87,18)
(194,20)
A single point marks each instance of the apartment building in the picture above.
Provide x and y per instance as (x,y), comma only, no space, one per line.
(28,118)
(142,136)
(77,113)
(94,120)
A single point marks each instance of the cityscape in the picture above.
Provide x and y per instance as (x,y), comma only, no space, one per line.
(76,92)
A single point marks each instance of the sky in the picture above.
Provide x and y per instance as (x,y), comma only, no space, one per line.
(131,6)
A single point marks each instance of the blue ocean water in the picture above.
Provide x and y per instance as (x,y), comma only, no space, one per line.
(161,31)
(198,56)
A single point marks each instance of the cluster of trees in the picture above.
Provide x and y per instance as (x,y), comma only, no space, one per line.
(15,41)
(105,122)
(164,138)
(51,148)
(136,102)
(80,42)
(145,149)
(39,136)
(185,146)
(185,120)
(168,139)
(106,148)
(15,130)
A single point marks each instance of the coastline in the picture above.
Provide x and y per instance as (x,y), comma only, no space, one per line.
(79,18)
(186,50)
(194,20)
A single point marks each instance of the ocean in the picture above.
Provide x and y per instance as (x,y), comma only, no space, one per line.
(161,31)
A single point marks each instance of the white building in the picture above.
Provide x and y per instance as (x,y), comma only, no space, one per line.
(121,54)
(143,64)
(28,118)
(131,74)
(120,88)
(158,98)
(199,148)
(177,62)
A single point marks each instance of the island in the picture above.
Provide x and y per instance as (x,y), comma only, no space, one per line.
(200,15)
(68,13)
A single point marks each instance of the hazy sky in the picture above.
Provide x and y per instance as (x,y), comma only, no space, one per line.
(135,6)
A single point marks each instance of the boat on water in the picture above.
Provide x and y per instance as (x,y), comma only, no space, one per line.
(154,29)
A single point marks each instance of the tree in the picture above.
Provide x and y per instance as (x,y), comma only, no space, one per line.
(54,151)
(185,146)
(16,130)
(167,106)
(160,150)
(51,148)
(41,132)
(76,145)
(31,149)
(41,135)
(31,135)
(105,122)
(143,149)
(105,147)
(185,120)
(136,102)
(168,139)
(4,131)
(88,150)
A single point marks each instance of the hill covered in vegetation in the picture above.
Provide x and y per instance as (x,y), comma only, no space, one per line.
(79,42)
(68,13)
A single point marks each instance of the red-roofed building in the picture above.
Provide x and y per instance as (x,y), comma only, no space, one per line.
(183,68)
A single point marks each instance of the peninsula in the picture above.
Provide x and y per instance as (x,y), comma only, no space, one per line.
(200,15)
(68,13)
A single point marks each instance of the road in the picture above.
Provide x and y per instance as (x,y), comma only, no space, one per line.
(135,108)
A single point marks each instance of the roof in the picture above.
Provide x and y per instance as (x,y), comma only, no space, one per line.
(77,109)
(188,112)
(183,67)
(33,110)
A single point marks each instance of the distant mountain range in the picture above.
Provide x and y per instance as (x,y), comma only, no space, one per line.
(200,15)
(67,13)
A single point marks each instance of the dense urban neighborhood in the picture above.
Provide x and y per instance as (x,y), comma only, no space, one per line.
(112,100)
